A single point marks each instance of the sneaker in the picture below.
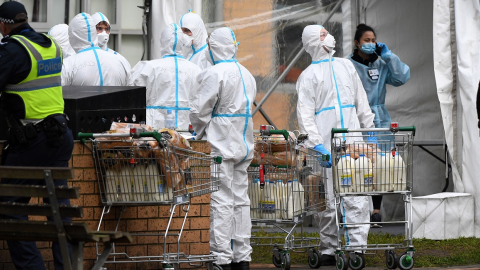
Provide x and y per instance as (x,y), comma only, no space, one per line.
(327,260)
(375,217)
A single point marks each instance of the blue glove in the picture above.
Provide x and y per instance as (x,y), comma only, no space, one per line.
(372,137)
(320,148)
(384,49)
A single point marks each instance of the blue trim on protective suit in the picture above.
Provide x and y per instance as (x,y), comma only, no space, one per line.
(247,109)
(101,16)
(232,115)
(99,68)
(333,108)
(89,49)
(339,100)
(88,29)
(169,108)
(176,56)
(199,50)
(211,56)
(322,61)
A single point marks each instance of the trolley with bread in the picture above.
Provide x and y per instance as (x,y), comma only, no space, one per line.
(368,162)
(286,184)
(137,166)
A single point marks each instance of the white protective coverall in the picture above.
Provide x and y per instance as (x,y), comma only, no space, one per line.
(331,95)
(104,37)
(91,66)
(195,52)
(221,113)
(169,81)
(60,33)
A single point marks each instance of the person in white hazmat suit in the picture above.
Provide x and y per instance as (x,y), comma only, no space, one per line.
(60,33)
(221,113)
(91,66)
(169,81)
(195,44)
(331,95)
(102,24)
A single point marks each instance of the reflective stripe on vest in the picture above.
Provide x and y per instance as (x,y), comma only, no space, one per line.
(41,90)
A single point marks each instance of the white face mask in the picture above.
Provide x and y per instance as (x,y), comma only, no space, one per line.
(103,38)
(187,40)
(329,42)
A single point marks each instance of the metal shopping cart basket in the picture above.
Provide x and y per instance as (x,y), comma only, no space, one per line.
(364,167)
(286,184)
(145,168)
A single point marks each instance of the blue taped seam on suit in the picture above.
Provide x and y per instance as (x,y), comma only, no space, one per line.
(88,28)
(247,109)
(101,15)
(168,108)
(322,61)
(199,50)
(99,68)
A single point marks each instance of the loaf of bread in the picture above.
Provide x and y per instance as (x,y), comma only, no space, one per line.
(275,143)
(175,138)
(169,167)
(277,159)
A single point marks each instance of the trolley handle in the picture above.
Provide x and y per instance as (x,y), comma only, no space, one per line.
(281,132)
(83,136)
(346,130)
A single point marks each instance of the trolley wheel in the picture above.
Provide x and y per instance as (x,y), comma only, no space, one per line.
(277,262)
(167,266)
(285,260)
(314,259)
(405,262)
(391,259)
(358,262)
(341,263)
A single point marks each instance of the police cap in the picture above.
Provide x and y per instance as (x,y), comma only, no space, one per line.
(10,10)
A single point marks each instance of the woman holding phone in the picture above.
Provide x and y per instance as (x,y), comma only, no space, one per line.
(377,66)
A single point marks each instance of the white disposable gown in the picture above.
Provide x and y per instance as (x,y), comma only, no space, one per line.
(100,17)
(91,66)
(195,52)
(331,95)
(60,33)
(169,81)
(221,113)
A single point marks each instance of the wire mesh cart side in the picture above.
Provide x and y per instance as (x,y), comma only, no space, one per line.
(145,168)
(367,162)
(286,184)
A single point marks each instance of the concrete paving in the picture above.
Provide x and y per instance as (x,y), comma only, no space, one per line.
(305,267)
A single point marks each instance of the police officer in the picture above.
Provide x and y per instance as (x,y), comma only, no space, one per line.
(31,97)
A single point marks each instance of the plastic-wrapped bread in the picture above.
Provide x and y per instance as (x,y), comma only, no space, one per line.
(370,150)
(277,158)
(169,166)
(175,138)
(275,143)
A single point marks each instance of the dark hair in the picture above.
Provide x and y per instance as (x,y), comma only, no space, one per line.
(362,28)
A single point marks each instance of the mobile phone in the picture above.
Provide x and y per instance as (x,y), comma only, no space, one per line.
(378,50)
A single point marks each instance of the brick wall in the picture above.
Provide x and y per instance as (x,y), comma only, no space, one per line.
(151,219)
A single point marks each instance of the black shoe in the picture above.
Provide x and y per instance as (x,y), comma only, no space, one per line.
(376,217)
(241,266)
(327,260)
(223,266)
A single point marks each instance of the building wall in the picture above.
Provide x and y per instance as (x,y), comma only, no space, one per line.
(142,219)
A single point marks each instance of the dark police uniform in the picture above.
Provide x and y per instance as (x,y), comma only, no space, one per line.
(31,97)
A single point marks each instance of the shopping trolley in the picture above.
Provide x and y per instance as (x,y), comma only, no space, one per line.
(363,168)
(286,184)
(145,168)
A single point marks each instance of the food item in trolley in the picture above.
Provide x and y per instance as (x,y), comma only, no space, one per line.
(255,195)
(390,172)
(369,150)
(344,182)
(170,167)
(277,159)
(294,196)
(269,203)
(315,190)
(363,174)
(175,138)
(156,188)
(274,143)
(117,174)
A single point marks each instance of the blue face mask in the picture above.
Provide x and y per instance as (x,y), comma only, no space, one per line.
(368,48)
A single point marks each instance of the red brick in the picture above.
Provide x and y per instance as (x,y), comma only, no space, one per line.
(85,187)
(130,212)
(87,213)
(70,162)
(148,239)
(88,264)
(172,248)
(78,201)
(157,224)
(164,211)
(137,225)
(190,237)
(89,174)
(155,250)
(194,211)
(111,224)
(90,252)
(199,223)
(91,200)
(140,250)
(97,213)
(205,236)
(177,224)
(201,199)
(93,225)
(78,175)
(125,266)
(199,248)
(78,148)
(205,210)
(147,211)
(46,254)
(150,265)
(82,161)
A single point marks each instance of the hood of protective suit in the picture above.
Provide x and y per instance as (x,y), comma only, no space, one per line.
(195,24)
(170,40)
(100,17)
(223,45)
(314,45)
(60,33)
(82,32)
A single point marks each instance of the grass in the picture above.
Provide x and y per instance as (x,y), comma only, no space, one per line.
(429,253)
